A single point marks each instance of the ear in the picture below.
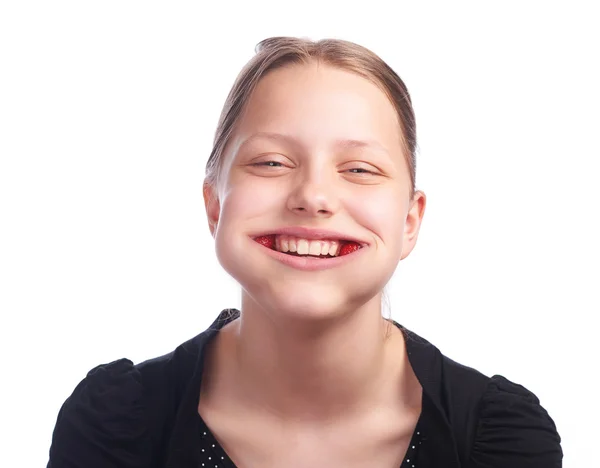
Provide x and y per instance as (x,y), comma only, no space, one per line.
(212,206)
(413,223)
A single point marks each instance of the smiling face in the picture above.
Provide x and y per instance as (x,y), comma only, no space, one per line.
(316,147)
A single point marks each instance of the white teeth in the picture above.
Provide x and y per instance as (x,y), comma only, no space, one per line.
(284,243)
(302,247)
(314,248)
(334,248)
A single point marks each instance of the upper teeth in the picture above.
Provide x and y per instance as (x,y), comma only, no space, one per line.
(285,243)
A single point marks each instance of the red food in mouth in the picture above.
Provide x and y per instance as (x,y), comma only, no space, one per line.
(346,247)
(267,241)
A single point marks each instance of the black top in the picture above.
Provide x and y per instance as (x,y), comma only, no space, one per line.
(146,415)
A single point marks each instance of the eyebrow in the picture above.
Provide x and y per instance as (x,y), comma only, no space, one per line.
(344,143)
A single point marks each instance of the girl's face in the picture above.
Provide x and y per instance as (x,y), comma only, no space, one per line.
(316,147)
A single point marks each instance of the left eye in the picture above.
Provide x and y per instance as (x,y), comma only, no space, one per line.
(363,171)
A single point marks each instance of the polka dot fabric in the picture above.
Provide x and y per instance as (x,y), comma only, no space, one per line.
(410,459)
(212,454)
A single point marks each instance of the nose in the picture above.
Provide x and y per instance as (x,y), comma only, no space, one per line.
(314,196)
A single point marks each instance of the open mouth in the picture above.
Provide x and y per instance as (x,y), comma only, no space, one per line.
(298,247)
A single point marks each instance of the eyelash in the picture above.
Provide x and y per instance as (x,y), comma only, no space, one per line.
(264,163)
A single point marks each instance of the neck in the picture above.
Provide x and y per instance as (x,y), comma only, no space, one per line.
(301,371)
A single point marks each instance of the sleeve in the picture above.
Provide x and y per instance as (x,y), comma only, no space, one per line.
(514,430)
(102,423)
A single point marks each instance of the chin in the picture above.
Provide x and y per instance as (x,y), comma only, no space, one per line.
(309,306)
(302,303)
(285,293)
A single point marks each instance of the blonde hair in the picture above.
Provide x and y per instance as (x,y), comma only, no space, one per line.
(277,52)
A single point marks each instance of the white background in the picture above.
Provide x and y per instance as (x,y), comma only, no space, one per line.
(107,113)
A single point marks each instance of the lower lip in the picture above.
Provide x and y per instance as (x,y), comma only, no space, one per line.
(310,263)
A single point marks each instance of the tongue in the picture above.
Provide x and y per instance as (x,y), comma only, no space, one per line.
(347,246)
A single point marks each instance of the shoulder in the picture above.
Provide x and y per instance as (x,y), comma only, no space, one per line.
(104,421)
(492,421)
(498,422)
(120,414)
(513,429)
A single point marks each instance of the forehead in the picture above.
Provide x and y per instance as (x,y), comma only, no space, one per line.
(318,105)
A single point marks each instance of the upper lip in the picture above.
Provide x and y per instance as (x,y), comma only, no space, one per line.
(312,234)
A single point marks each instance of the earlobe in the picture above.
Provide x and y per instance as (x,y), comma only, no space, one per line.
(211,205)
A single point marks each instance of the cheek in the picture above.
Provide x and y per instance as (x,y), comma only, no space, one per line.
(382,213)
(244,206)
(244,201)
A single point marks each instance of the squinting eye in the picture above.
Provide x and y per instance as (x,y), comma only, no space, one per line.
(268,163)
(364,171)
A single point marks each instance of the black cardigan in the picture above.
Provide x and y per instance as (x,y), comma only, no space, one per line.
(145,416)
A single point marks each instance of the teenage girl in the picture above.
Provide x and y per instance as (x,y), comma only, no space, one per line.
(310,197)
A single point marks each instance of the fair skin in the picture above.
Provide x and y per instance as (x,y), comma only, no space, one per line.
(307,375)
